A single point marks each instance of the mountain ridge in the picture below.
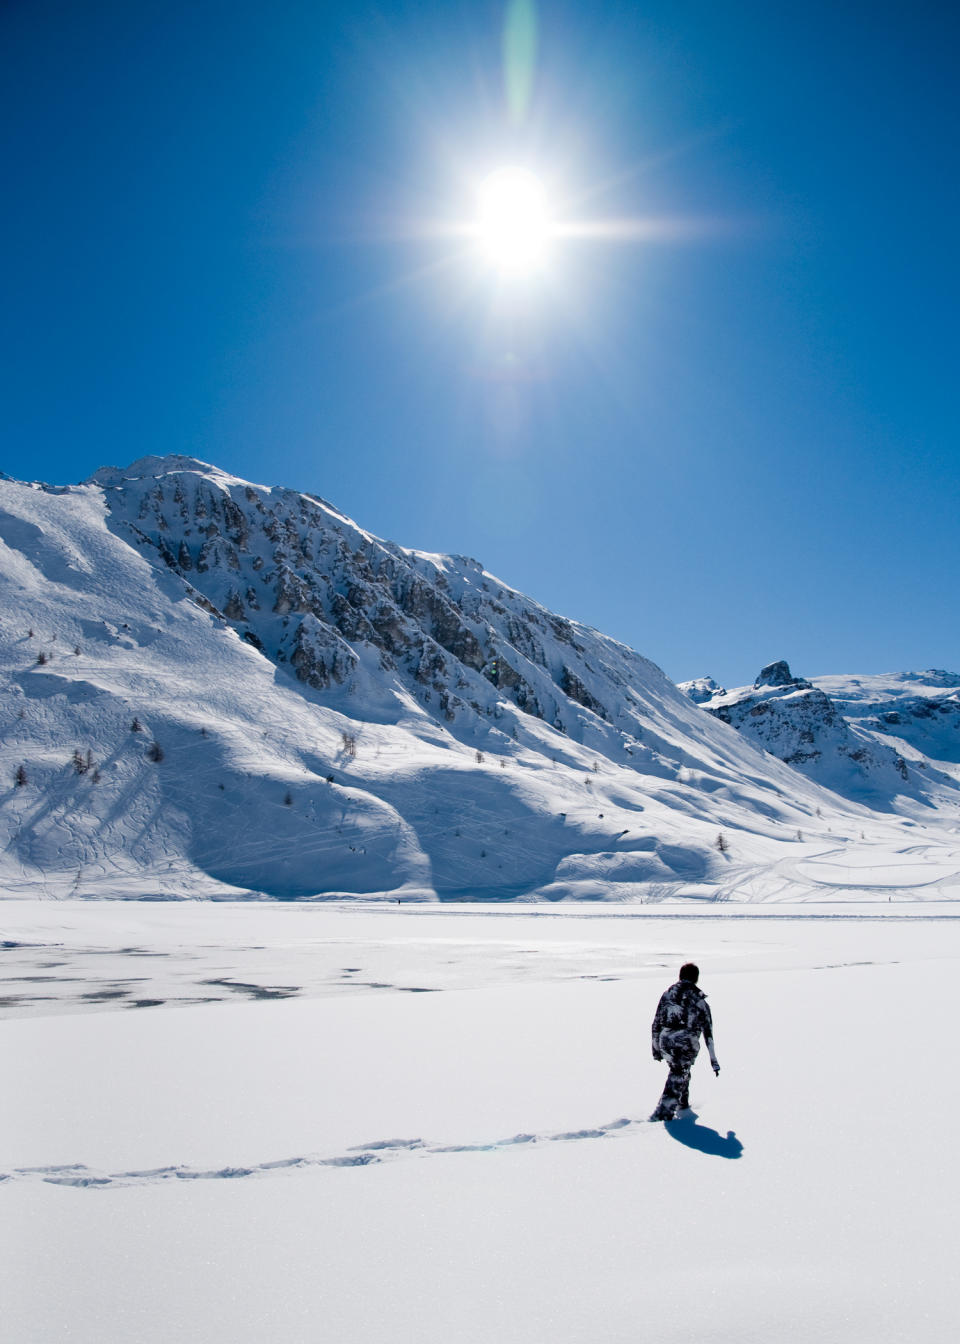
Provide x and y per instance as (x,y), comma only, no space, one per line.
(846,731)
(338,714)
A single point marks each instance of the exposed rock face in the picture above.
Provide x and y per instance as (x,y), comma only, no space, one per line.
(799,723)
(310,590)
(778,674)
(319,656)
(572,686)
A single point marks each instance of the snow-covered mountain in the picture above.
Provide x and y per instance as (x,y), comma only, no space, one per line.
(871,738)
(213,687)
(701,689)
(919,709)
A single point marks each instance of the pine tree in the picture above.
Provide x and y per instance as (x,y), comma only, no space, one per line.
(20,778)
(155,753)
(721,843)
(41,658)
(78,762)
(136,726)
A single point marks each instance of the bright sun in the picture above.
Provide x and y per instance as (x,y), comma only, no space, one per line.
(514,226)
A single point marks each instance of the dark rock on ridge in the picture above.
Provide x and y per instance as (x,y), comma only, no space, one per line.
(778,674)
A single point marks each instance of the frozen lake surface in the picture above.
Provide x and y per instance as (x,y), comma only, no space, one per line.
(325,1153)
(81,956)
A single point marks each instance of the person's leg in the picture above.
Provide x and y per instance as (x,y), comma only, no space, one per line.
(677,1086)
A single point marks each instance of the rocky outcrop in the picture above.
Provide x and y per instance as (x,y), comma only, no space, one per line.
(778,674)
(311,591)
(319,656)
(572,686)
(800,724)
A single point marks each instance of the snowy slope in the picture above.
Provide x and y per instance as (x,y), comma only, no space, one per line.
(273,701)
(921,709)
(853,735)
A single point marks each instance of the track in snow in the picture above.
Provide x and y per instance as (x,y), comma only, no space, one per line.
(79,1176)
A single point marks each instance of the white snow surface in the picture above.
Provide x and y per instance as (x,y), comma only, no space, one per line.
(918,708)
(324,714)
(475,1163)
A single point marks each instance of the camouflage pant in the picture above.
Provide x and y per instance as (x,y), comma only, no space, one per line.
(679,1051)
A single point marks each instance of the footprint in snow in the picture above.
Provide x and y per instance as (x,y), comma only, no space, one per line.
(79,1176)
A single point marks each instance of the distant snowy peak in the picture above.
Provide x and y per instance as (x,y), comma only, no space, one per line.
(152,468)
(886,686)
(800,724)
(934,677)
(920,708)
(846,731)
(701,689)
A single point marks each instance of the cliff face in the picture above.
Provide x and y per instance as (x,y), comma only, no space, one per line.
(854,740)
(346,611)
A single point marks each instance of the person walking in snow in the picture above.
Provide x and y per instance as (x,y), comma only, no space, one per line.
(682,1016)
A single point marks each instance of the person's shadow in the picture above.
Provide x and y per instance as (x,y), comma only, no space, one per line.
(686,1130)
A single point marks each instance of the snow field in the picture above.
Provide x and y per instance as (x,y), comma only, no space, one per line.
(834,1222)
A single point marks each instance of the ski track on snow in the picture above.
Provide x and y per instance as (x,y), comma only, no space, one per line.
(80,1176)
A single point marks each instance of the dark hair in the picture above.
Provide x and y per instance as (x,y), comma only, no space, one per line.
(690,972)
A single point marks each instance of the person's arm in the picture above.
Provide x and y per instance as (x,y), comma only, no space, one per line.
(708,1035)
(657,1028)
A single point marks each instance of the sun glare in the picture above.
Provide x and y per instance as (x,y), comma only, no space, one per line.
(514,226)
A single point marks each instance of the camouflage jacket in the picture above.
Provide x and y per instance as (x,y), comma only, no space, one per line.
(683,1008)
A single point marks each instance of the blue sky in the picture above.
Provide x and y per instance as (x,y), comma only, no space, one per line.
(732,442)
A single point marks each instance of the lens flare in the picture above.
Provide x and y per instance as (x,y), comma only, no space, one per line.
(519,57)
